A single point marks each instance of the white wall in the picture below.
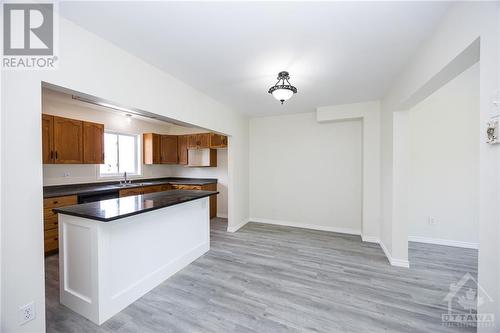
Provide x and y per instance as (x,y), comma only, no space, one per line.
(306,173)
(93,66)
(444,158)
(369,114)
(463,24)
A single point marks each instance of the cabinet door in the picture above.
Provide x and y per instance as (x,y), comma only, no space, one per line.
(182,149)
(68,141)
(93,143)
(218,141)
(204,140)
(47,139)
(169,149)
(151,148)
(193,141)
(131,191)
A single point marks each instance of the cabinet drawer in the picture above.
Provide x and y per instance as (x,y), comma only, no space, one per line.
(60,201)
(157,188)
(165,187)
(50,222)
(51,240)
(131,191)
(186,187)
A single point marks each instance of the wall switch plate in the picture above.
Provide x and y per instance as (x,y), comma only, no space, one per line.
(27,312)
(432,220)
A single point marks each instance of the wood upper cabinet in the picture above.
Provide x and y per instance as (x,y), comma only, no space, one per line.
(47,139)
(218,141)
(182,149)
(68,140)
(199,141)
(151,148)
(93,143)
(168,146)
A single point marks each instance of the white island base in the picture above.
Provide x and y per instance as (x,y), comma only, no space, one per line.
(106,266)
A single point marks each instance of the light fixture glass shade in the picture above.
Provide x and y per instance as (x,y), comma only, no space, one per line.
(282,94)
(282,90)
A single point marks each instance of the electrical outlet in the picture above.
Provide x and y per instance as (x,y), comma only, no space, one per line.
(66,174)
(432,220)
(27,312)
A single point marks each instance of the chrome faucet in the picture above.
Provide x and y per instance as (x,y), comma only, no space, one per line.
(125,179)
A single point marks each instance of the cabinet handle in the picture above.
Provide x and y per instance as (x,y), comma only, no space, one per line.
(56,155)
(56,202)
(51,154)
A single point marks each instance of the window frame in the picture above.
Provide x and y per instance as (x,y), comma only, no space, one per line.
(137,159)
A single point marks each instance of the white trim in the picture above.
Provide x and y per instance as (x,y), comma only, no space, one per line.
(446,242)
(370,239)
(237,227)
(222,215)
(394,261)
(307,226)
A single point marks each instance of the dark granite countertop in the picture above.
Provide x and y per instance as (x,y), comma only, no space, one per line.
(113,209)
(95,188)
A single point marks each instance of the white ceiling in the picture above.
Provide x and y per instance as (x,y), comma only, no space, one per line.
(336,52)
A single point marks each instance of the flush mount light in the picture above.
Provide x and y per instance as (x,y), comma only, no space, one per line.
(282,90)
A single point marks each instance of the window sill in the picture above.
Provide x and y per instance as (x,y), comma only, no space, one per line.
(118,177)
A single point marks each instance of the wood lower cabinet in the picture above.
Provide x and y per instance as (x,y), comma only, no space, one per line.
(93,143)
(166,187)
(144,190)
(156,188)
(131,191)
(50,222)
(207,187)
(71,141)
(182,149)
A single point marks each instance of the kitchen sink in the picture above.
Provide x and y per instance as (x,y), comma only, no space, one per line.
(135,184)
(129,185)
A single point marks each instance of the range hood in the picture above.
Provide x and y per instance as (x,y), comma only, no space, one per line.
(204,157)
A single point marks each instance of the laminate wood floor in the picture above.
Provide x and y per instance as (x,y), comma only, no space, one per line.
(267,278)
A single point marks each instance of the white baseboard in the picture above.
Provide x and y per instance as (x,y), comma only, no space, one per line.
(370,239)
(237,227)
(222,215)
(394,261)
(447,242)
(306,226)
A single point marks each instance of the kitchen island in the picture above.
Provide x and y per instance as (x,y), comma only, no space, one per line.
(114,251)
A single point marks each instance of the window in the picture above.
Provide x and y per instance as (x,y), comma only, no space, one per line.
(121,154)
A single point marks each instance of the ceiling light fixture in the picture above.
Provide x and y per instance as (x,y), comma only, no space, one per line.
(282,90)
